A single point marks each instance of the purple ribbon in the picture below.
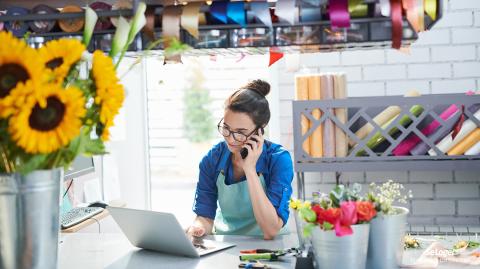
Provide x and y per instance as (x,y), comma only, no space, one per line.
(338,11)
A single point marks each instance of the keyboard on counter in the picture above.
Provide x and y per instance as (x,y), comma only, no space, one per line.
(77,215)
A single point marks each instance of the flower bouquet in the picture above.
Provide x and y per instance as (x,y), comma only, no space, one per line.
(296,207)
(339,226)
(387,230)
(56,103)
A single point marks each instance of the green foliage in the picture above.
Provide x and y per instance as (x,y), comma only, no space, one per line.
(340,194)
(199,125)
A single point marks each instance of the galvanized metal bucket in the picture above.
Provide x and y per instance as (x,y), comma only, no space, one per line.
(346,252)
(29,219)
(385,248)
(299,224)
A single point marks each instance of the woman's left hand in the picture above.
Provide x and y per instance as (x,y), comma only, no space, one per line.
(254,152)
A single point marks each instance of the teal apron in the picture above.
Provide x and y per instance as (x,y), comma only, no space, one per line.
(235,212)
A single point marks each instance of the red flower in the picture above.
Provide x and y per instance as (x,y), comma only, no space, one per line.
(331,215)
(365,211)
(348,218)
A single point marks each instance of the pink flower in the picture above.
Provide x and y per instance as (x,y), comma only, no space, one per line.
(347,218)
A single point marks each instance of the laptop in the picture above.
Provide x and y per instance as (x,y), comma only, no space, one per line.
(161,232)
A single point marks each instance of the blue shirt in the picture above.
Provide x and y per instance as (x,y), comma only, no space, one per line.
(274,163)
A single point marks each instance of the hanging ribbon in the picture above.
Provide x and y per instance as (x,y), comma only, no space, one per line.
(285,9)
(189,20)
(218,10)
(236,12)
(171,29)
(275,55)
(396,14)
(431,8)
(385,8)
(338,11)
(262,12)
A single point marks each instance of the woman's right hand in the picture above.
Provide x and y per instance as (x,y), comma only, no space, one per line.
(196,231)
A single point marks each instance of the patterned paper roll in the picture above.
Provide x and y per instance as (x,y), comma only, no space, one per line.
(475,150)
(44,26)
(71,25)
(316,146)
(466,143)
(18,28)
(383,117)
(103,23)
(121,4)
(301,93)
(412,140)
(328,127)
(448,142)
(340,92)
(422,147)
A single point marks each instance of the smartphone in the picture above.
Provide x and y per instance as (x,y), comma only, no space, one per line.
(244,150)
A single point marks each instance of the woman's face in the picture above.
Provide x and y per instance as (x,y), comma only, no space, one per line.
(238,122)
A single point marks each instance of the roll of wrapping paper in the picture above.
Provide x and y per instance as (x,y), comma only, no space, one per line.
(301,94)
(103,23)
(412,140)
(189,20)
(383,117)
(340,92)
(71,25)
(449,142)
(18,28)
(422,147)
(121,4)
(466,143)
(328,126)
(42,26)
(357,8)
(171,29)
(314,93)
(378,138)
(397,23)
(475,150)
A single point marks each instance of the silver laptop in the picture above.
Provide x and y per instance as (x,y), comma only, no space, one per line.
(161,232)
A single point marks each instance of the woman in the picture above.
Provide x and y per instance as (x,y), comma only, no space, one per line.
(252,193)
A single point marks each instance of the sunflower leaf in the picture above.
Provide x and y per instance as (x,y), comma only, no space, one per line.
(94,147)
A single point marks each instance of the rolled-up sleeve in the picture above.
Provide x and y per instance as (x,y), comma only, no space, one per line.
(205,203)
(280,187)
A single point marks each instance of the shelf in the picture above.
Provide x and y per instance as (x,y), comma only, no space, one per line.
(362,110)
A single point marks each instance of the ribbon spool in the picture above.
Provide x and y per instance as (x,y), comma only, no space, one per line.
(18,28)
(42,26)
(103,23)
(121,4)
(71,25)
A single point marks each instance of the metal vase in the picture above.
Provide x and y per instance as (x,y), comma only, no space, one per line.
(29,219)
(299,223)
(346,252)
(385,249)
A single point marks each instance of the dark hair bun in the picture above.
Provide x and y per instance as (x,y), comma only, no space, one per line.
(260,86)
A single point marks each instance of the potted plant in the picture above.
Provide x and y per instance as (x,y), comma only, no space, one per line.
(50,112)
(387,229)
(339,227)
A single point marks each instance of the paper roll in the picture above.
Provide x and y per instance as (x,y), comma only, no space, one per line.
(383,117)
(18,28)
(412,140)
(171,29)
(316,146)
(301,93)
(121,4)
(328,127)
(466,143)
(71,25)
(189,19)
(448,142)
(340,92)
(42,26)
(422,147)
(475,150)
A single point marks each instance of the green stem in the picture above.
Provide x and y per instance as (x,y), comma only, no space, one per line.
(57,159)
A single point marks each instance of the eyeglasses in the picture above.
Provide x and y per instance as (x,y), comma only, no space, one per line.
(237,136)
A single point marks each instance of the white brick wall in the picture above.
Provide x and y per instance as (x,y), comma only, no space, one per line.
(445,59)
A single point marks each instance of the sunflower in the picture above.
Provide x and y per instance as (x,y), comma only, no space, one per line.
(49,120)
(60,56)
(109,92)
(18,64)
